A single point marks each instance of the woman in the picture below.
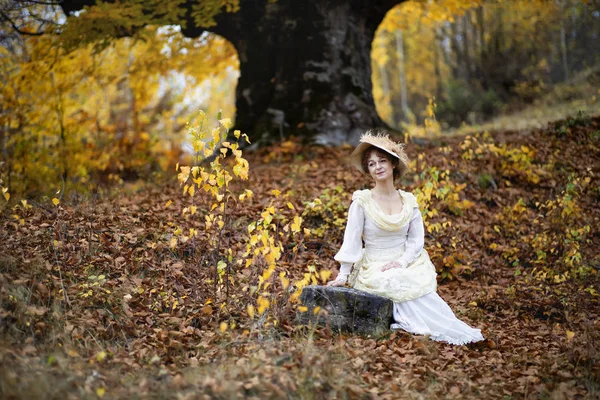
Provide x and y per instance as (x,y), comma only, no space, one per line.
(393,262)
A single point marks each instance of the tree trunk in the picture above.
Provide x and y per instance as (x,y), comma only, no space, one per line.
(385,83)
(402,75)
(482,62)
(305,65)
(563,41)
(436,64)
(465,42)
(457,71)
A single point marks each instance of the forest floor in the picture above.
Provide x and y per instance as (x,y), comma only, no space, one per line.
(97,302)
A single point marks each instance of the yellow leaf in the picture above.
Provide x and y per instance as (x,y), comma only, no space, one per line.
(237,133)
(302,308)
(285,282)
(168,204)
(296,224)
(263,304)
(316,310)
(72,353)
(101,356)
(276,192)
(184,174)
(290,206)
(216,135)
(324,275)
(192,190)
(55,201)
(227,124)
(173,243)
(100,392)
(251,310)
(223,326)
(570,335)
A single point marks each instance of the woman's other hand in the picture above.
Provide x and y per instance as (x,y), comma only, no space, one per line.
(392,265)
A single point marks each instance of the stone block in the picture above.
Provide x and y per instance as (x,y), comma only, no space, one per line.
(346,310)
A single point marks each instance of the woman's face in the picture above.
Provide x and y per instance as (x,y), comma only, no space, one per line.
(380,167)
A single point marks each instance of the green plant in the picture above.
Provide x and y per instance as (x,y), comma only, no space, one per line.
(563,128)
(486,180)
(326,215)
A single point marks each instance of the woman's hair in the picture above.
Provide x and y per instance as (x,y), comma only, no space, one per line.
(372,149)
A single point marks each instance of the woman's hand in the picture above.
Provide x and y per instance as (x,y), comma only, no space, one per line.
(392,265)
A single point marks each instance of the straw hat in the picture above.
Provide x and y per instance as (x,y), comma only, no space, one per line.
(381,140)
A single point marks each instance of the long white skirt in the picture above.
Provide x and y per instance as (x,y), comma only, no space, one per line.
(430,315)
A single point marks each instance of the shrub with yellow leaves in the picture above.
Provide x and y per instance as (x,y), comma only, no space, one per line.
(327,214)
(217,163)
(554,251)
(208,183)
(278,223)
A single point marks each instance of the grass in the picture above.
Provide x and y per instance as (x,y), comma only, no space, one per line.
(563,100)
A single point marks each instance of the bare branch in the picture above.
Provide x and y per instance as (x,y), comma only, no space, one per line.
(16,28)
(46,3)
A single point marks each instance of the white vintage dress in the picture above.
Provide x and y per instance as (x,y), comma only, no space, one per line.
(399,237)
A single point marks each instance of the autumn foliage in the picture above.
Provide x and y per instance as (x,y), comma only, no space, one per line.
(480,58)
(95,115)
(191,287)
(149,250)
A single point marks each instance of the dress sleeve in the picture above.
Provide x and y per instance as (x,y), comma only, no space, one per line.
(415,240)
(351,250)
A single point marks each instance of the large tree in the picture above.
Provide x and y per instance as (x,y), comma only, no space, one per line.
(305,65)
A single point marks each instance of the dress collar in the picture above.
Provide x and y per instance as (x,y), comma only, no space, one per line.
(384,221)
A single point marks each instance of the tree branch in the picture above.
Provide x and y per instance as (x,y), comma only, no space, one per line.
(17,29)
(46,3)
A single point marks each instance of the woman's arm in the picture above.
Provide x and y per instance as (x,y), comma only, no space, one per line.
(351,250)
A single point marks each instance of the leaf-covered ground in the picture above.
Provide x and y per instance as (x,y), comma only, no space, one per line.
(95,301)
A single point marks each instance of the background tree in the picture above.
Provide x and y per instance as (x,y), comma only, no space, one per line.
(304,66)
(102,113)
(478,58)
